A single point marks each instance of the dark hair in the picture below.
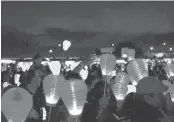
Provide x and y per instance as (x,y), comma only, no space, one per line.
(91,77)
(36,56)
(73,75)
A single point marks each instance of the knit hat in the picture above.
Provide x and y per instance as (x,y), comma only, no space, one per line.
(150,85)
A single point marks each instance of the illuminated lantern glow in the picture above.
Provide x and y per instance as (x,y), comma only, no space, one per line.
(66,45)
(107,64)
(84,74)
(50,86)
(137,69)
(131,54)
(44,113)
(3,67)
(73,93)
(169,68)
(170,88)
(119,90)
(16,104)
(16,79)
(122,78)
(131,89)
(6,84)
(55,67)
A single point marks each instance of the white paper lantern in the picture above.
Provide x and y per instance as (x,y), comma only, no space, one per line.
(119,91)
(107,63)
(122,78)
(131,88)
(131,54)
(169,68)
(16,104)
(73,93)
(50,86)
(55,67)
(84,74)
(66,45)
(137,69)
(170,88)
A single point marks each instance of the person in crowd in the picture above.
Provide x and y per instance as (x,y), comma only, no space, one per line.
(86,62)
(126,109)
(150,104)
(107,105)
(94,76)
(6,83)
(99,106)
(33,83)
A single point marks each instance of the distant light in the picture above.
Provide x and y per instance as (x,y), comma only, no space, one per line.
(164,43)
(113,45)
(170,49)
(59,45)
(50,50)
(151,48)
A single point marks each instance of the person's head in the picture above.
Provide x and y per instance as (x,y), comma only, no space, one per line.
(37,59)
(73,75)
(94,76)
(151,90)
(5,76)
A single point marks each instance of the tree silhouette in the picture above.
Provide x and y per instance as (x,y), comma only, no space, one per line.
(138,51)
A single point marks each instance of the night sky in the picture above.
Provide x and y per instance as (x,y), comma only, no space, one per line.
(38,26)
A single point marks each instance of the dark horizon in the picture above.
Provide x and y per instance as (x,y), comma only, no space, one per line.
(37,26)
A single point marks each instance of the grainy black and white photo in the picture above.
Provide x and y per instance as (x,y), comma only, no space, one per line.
(87,61)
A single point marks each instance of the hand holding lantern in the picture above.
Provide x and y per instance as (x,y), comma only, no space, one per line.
(16,104)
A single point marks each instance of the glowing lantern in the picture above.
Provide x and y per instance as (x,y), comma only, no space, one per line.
(3,67)
(170,88)
(169,68)
(73,93)
(55,67)
(131,54)
(137,69)
(131,88)
(84,74)
(16,79)
(16,104)
(107,64)
(119,90)
(66,45)
(50,85)
(122,78)
(6,84)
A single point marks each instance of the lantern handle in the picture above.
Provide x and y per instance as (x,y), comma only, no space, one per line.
(49,114)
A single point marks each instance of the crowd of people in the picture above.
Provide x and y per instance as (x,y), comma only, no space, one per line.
(148,104)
